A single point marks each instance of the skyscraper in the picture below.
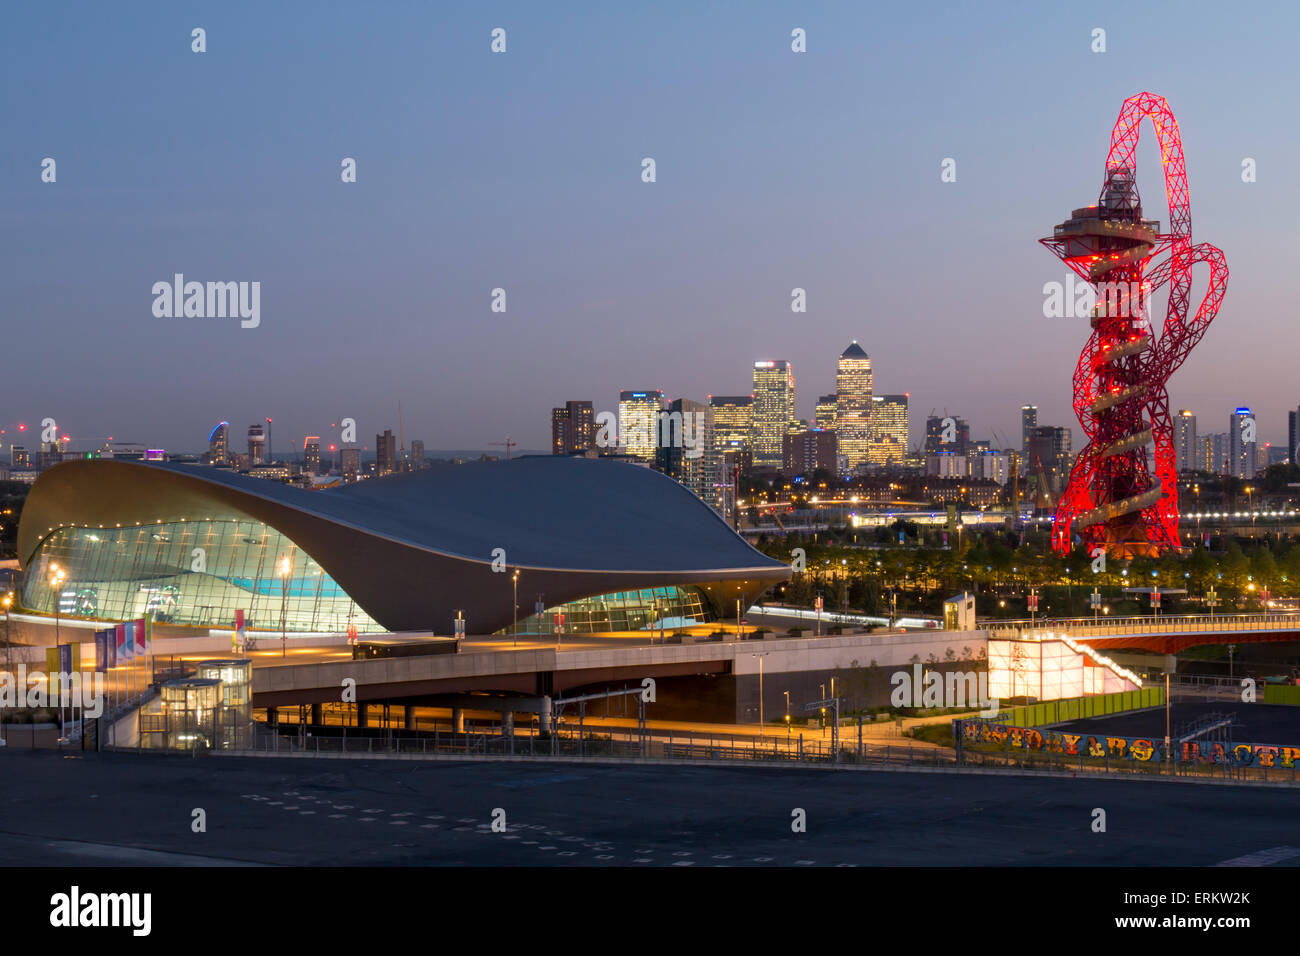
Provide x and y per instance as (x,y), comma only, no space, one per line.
(689,451)
(889,435)
(824,415)
(853,405)
(573,428)
(638,422)
(1185,440)
(219,444)
(1293,435)
(385,453)
(1241,443)
(256,445)
(1028,422)
(773,410)
(733,420)
(417,454)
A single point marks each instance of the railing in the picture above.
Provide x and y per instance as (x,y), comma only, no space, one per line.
(809,748)
(1129,626)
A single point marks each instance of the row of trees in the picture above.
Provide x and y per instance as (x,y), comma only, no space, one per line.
(1003,568)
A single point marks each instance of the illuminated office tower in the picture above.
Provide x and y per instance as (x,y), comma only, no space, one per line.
(256,445)
(733,420)
(19,457)
(773,411)
(638,423)
(311,454)
(889,436)
(825,413)
(1185,440)
(853,405)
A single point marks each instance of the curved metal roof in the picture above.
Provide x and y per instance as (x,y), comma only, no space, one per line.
(578,527)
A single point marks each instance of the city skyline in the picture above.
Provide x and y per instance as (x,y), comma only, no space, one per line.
(367,287)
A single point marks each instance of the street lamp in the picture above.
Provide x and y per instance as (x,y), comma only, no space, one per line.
(514,578)
(787,714)
(56,582)
(7,600)
(760,691)
(285,568)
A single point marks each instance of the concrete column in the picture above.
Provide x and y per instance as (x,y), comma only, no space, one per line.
(362,717)
(273,716)
(507,723)
(457,720)
(409,722)
(316,715)
(544,714)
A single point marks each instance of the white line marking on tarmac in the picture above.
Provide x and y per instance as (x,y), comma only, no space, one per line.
(1263,857)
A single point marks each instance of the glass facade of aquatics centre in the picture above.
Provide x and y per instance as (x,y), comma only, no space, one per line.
(190,572)
(201,572)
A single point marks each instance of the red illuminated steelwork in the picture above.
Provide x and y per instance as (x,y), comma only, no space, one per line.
(1121,396)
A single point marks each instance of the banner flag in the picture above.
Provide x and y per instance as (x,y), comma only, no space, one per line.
(101,651)
(123,645)
(141,638)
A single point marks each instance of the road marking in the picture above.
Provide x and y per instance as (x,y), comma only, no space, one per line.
(1263,857)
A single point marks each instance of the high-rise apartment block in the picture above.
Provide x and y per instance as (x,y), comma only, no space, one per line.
(573,428)
(1185,440)
(219,444)
(385,453)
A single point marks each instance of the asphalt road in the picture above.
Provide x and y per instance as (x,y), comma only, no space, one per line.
(127,809)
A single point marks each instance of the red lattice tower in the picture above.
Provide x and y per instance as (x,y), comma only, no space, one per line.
(1121,381)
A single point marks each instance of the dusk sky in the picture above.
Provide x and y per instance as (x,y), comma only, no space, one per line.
(522,171)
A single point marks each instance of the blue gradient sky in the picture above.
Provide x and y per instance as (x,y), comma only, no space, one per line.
(522,170)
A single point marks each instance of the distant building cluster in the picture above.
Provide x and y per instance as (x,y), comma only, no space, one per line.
(855,433)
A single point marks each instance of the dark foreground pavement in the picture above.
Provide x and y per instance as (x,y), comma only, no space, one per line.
(127,809)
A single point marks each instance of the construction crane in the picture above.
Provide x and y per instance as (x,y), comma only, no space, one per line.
(508,443)
(1013,477)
